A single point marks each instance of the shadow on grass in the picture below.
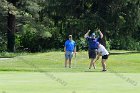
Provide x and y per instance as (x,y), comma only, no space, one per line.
(18,70)
(120,53)
(92,71)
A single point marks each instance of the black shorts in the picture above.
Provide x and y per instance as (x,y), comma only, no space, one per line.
(105,57)
(92,53)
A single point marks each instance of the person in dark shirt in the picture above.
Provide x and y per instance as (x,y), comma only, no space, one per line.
(93,43)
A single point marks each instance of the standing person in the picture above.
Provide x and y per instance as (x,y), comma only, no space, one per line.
(104,53)
(93,43)
(69,48)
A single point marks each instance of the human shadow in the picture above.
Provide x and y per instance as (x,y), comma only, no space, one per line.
(93,71)
(133,52)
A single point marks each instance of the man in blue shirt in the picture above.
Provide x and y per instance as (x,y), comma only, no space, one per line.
(69,48)
(93,43)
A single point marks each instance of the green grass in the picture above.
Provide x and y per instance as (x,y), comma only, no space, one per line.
(10,55)
(45,73)
(54,62)
(29,82)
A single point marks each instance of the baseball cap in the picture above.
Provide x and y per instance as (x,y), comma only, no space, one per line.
(93,34)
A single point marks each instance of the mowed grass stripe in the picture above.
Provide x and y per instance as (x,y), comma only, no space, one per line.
(81,82)
(54,62)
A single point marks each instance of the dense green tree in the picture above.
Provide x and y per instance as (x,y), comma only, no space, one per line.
(26,22)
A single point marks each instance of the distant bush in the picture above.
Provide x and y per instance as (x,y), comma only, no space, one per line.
(108,45)
(81,44)
(125,43)
(7,55)
(3,46)
(34,38)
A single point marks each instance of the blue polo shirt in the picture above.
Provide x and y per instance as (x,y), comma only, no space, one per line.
(70,45)
(93,43)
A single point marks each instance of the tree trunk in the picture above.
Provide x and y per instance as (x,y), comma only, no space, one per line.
(11,33)
(11,26)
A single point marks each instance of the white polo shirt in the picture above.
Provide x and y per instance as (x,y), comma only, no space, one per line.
(102,50)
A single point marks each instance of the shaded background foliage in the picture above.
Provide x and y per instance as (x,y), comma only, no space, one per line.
(42,25)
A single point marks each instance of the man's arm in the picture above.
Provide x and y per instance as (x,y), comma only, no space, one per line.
(87,34)
(75,51)
(65,49)
(101,34)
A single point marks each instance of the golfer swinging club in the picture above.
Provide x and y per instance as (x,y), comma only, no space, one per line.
(69,49)
(104,53)
(93,46)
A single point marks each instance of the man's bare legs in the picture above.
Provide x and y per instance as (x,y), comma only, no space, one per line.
(92,63)
(67,61)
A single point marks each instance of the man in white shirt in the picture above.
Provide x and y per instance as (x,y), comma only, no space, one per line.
(104,53)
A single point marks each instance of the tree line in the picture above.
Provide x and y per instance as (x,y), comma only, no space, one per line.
(39,25)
